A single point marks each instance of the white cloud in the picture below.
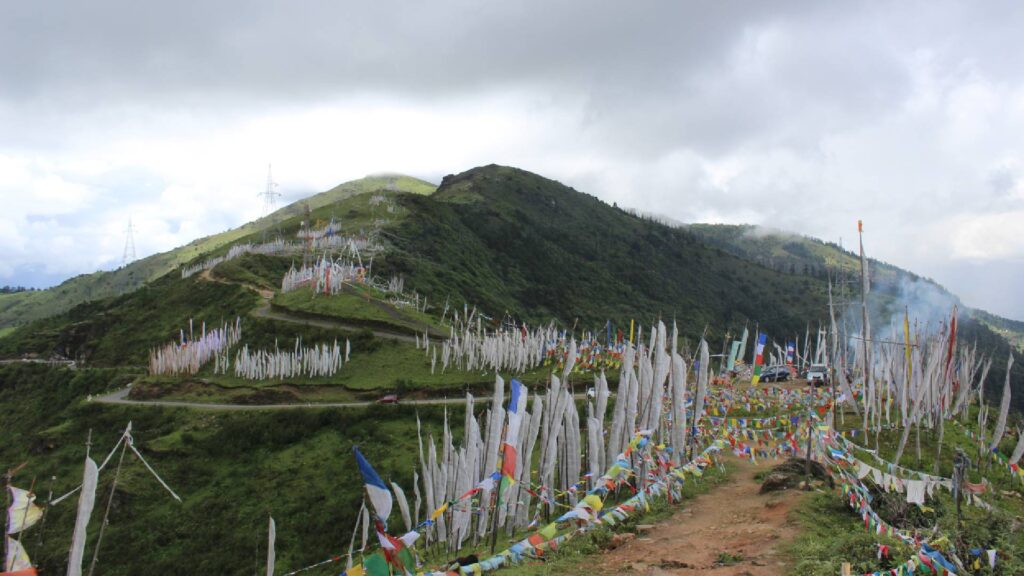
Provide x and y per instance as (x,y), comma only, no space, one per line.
(805,117)
(988,236)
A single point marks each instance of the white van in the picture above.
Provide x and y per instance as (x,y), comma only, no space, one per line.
(817,375)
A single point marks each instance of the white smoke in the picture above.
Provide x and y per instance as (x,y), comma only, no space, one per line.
(925,301)
(928,305)
(758,232)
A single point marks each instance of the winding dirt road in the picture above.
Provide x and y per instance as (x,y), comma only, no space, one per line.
(121,397)
(731,531)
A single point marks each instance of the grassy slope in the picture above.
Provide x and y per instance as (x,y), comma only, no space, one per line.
(27,306)
(812,258)
(1012,330)
(358,307)
(122,330)
(832,533)
(508,240)
(232,470)
(497,237)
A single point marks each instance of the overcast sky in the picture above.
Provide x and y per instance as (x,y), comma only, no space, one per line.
(802,116)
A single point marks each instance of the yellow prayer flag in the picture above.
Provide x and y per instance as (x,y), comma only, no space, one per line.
(437,513)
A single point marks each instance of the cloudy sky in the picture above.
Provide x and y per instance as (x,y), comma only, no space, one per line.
(804,116)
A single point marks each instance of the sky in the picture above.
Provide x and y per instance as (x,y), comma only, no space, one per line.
(803,116)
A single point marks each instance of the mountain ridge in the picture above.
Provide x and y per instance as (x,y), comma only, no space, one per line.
(36,305)
(518,246)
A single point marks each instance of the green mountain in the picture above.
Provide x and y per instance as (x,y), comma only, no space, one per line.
(516,243)
(499,239)
(510,244)
(22,307)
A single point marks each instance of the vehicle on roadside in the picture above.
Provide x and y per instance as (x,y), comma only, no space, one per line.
(775,374)
(389,399)
(817,375)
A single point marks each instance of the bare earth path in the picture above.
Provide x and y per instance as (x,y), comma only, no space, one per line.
(732,522)
(121,397)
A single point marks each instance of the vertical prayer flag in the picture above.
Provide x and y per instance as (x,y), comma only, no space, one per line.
(762,339)
(733,354)
(376,565)
(378,492)
(906,342)
(952,341)
(516,407)
(22,513)
(271,552)
(17,558)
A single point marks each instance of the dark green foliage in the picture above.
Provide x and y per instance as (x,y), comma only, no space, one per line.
(122,330)
(23,307)
(260,333)
(231,469)
(514,242)
(830,534)
(257,270)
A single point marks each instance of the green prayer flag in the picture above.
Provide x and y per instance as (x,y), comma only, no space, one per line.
(376,565)
(406,558)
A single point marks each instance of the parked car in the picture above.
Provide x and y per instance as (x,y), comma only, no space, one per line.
(389,399)
(817,375)
(775,374)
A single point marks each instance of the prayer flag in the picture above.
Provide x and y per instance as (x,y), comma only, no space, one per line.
(17,558)
(23,513)
(378,492)
(516,407)
(376,565)
(762,339)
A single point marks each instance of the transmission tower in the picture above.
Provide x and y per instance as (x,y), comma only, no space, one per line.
(129,245)
(269,195)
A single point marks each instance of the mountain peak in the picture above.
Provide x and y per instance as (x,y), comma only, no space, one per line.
(503,184)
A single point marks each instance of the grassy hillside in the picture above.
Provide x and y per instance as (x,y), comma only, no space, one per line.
(120,331)
(502,239)
(1012,330)
(231,469)
(893,290)
(23,307)
(513,242)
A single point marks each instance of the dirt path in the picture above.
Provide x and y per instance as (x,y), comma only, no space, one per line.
(732,523)
(264,310)
(396,315)
(121,397)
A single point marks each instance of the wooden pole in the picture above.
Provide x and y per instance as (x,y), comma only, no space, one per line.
(807,460)
(24,516)
(106,514)
(42,521)
(864,321)
(960,463)
(7,505)
(7,497)
(497,489)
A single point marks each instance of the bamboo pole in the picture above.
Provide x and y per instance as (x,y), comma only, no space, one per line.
(106,514)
